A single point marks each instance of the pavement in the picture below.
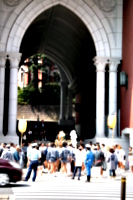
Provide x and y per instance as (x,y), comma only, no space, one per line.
(127,174)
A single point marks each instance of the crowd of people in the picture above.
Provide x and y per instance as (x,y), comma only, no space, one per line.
(68,160)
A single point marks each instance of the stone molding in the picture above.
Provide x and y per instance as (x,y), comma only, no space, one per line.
(11,3)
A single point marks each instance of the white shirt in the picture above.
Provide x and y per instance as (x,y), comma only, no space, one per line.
(34,154)
(79,159)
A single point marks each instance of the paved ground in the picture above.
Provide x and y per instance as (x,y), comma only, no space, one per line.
(22,189)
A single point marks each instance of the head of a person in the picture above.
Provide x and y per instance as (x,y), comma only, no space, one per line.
(130,148)
(102,145)
(88,147)
(2,145)
(111,150)
(90,143)
(34,145)
(18,148)
(52,144)
(80,149)
(95,147)
(64,144)
(98,146)
(82,145)
(8,146)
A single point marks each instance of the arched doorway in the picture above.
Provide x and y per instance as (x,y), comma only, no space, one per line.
(62,35)
(101,31)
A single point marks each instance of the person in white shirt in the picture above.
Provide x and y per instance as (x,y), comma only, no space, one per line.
(29,148)
(33,156)
(130,160)
(122,158)
(79,159)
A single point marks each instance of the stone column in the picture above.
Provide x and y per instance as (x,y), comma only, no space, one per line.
(2,81)
(113,65)
(63,103)
(12,112)
(78,98)
(70,119)
(100,63)
(70,95)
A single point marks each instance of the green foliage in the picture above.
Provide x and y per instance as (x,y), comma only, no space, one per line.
(50,93)
(49,96)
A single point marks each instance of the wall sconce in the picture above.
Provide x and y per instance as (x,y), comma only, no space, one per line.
(123,79)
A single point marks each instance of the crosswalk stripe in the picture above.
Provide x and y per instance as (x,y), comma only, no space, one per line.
(72,190)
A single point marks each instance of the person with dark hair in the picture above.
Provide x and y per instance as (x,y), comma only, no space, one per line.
(52,157)
(64,157)
(78,161)
(98,161)
(84,156)
(112,160)
(88,162)
(16,154)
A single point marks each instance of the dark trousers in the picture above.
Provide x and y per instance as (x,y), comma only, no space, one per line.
(75,170)
(72,166)
(33,165)
(112,172)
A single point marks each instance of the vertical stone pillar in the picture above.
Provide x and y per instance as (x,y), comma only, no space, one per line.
(100,63)
(113,65)
(63,102)
(12,112)
(70,95)
(78,98)
(2,81)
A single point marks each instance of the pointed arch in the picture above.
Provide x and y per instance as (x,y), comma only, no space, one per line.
(84,12)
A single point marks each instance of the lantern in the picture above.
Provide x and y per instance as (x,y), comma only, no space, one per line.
(111,122)
(22,125)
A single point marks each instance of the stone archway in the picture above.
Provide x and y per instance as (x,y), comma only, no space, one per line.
(89,13)
(86,13)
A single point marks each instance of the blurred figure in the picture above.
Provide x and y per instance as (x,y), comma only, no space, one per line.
(98,161)
(7,153)
(121,158)
(130,160)
(88,162)
(78,162)
(33,156)
(30,135)
(112,160)
(36,130)
(84,156)
(16,154)
(43,131)
(52,157)
(64,156)
(2,147)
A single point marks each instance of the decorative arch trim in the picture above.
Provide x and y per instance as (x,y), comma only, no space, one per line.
(85,13)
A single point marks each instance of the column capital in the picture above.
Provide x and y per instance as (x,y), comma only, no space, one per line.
(14,59)
(3,57)
(113,64)
(100,63)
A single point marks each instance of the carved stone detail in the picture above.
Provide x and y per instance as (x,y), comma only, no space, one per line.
(11,3)
(107,5)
